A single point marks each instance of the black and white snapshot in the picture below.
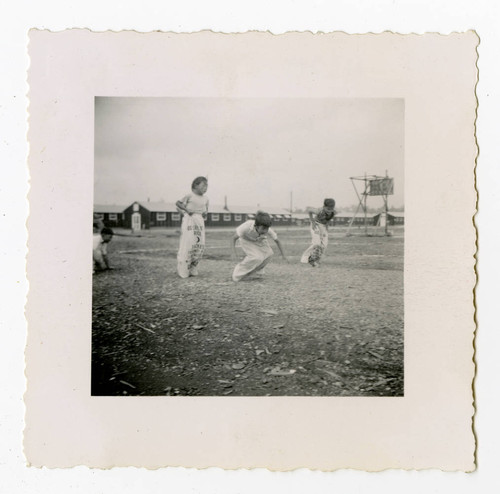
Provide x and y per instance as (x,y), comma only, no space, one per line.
(248,247)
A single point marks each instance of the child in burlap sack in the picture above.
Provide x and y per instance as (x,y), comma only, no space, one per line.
(319,232)
(194,208)
(252,236)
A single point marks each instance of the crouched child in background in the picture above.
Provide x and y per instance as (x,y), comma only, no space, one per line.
(100,249)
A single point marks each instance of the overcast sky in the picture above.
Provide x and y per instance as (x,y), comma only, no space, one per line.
(255,151)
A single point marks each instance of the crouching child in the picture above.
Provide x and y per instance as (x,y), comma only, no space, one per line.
(253,240)
(100,249)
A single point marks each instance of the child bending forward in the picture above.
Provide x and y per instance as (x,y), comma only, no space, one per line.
(194,207)
(253,240)
(319,232)
(100,249)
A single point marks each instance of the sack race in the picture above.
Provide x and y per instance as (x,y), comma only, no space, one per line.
(256,258)
(319,242)
(191,245)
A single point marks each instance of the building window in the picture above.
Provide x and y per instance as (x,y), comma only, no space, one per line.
(215,217)
(237,217)
(113,216)
(276,217)
(176,216)
(161,216)
(227,217)
(98,216)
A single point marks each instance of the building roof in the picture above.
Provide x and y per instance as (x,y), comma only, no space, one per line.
(158,207)
(165,207)
(171,207)
(237,209)
(274,210)
(350,214)
(108,208)
(396,214)
(217,208)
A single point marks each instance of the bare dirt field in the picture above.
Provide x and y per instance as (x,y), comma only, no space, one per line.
(334,330)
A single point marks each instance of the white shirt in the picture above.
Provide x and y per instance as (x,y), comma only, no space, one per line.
(98,244)
(248,232)
(195,203)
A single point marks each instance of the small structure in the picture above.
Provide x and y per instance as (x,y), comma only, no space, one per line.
(145,214)
(111,215)
(392,218)
(372,185)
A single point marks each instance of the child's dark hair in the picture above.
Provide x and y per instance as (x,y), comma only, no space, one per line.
(329,203)
(263,219)
(197,181)
(107,231)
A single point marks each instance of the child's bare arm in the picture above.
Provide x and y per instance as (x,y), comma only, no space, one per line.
(106,261)
(280,247)
(180,205)
(234,238)
(311,212)
(101,264)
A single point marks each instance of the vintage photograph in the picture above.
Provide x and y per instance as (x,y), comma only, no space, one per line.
(282,266)
(248,247)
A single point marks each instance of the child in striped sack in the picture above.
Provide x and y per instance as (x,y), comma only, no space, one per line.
(319,232)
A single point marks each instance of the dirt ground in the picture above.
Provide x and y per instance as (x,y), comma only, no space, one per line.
(335,330)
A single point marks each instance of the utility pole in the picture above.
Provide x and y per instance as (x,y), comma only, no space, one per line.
(386,208)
